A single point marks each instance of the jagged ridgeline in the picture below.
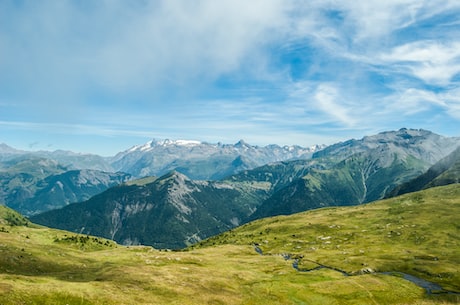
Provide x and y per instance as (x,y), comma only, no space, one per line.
(34,182)
(201,160)
(174,211)
(444,172)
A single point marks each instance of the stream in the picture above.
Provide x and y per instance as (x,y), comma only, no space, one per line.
(429,287)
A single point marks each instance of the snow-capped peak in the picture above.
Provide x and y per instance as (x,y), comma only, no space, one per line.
(164,143)
(168,142)
(182,142)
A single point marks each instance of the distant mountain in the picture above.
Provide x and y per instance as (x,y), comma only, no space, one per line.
(7,151)
(444,172)
(37,167)
(73,160)
(359,171)
(200,160)
(174,211)
(20,178)
(22,173)
(169,212)
(419,143)
(197,160)
(70,160)
(36,185)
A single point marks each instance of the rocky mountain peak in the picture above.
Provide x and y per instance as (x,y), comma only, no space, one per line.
(5,149)
(201,160)
(242,144)
(422,144)
(174,176)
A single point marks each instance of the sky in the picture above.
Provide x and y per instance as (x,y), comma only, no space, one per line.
(102,76)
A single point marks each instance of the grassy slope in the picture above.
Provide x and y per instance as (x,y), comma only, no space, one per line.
(44,266)
(417,233)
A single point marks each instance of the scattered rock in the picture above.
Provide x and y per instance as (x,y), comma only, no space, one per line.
(366,271)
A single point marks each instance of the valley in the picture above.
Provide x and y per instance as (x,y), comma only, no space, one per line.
(369,221)
(267,152)
(41,265)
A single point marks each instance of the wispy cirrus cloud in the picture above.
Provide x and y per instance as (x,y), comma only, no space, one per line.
(435,63)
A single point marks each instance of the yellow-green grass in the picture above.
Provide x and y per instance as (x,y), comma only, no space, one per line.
(142,181)
(46,273)
(417,233)
(44,266)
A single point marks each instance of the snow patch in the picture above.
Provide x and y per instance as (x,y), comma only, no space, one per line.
(187,142)
(235,221)
(60,185)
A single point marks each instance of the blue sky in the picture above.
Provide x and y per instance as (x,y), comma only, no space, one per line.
(102,76)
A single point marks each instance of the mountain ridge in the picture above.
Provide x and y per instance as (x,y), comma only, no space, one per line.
(172,211)
(202,160)
(25,190)
(48,186)
(360,171)
(196,159)
(181,204)
(445,171)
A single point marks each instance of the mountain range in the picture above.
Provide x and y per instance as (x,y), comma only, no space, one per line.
(173,211)
(360,171)
(28,181)
(200,160)
(32,185)
(197,160)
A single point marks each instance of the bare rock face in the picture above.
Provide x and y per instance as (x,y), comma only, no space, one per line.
(421,144)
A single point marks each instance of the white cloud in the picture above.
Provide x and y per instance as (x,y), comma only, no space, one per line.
(411,101)
(124,46)
(119,44)
(433,62)
(328,100)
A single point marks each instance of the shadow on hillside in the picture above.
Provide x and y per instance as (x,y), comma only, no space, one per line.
(64,267)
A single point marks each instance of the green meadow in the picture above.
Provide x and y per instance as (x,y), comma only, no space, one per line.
(416,234)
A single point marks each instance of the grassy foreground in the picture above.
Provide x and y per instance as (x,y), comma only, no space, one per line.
(416,234)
